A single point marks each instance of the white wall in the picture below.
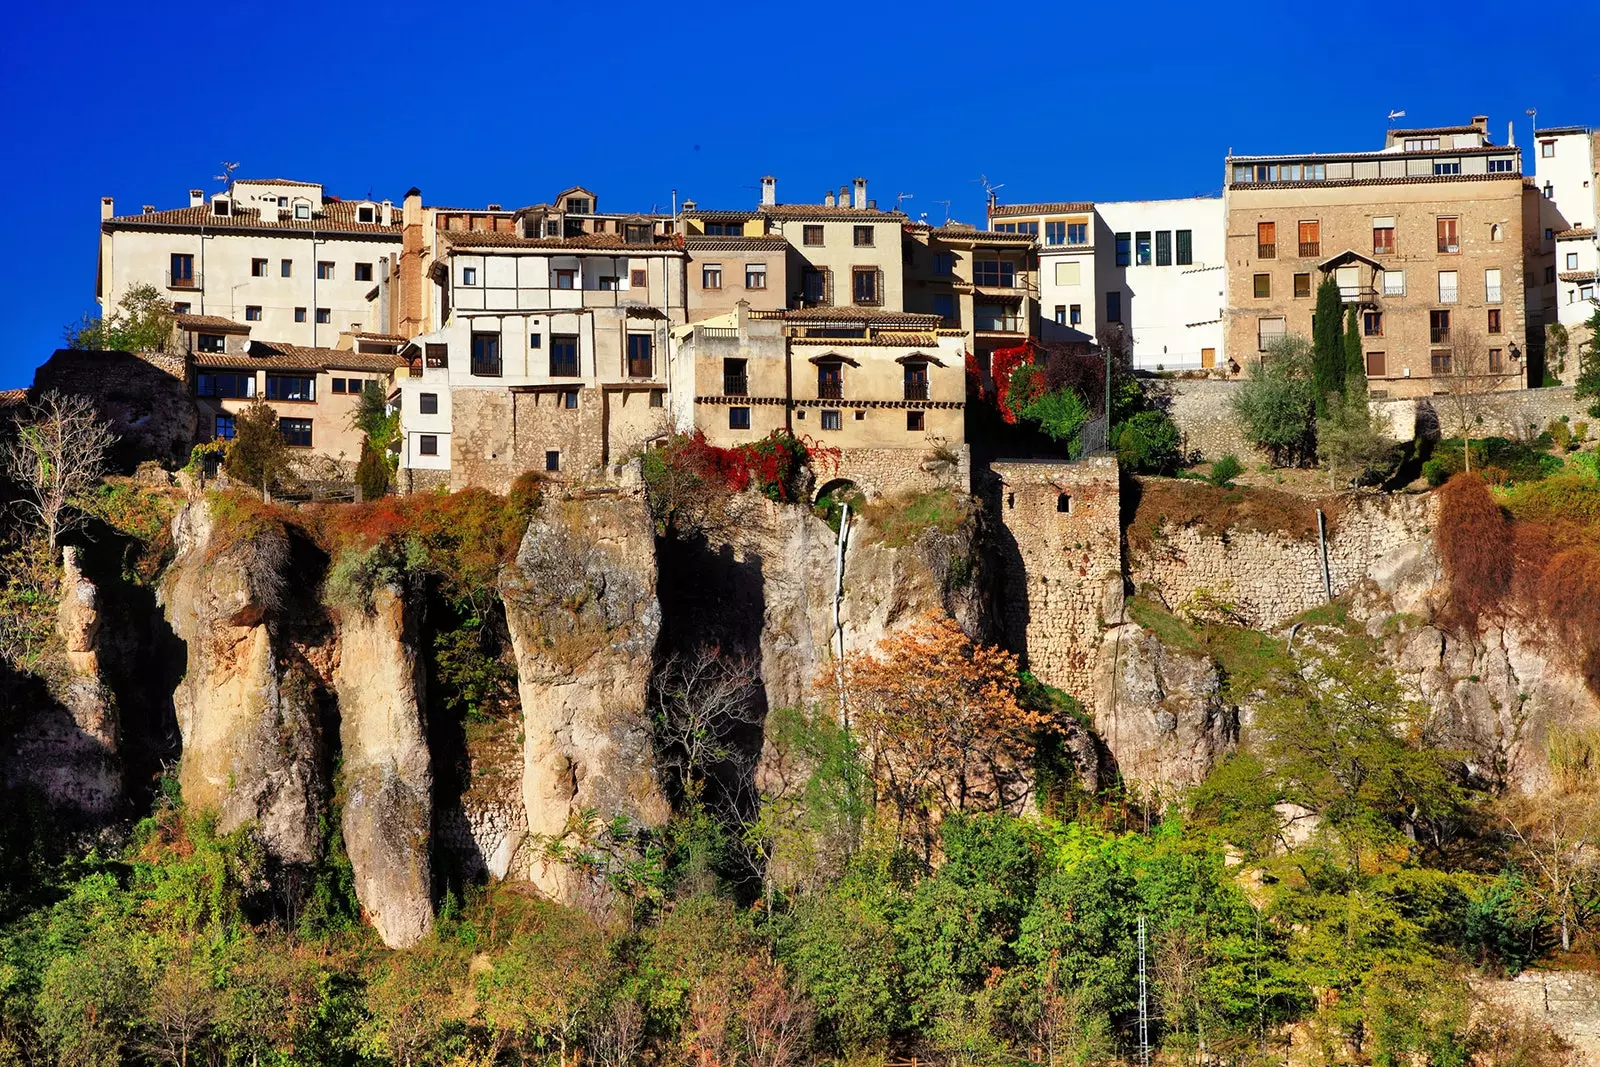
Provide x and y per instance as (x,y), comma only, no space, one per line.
(1172,312)
(414,424)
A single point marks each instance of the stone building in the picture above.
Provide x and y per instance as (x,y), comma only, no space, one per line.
(279,255)
(1428,238)
(984,284)
(887,390)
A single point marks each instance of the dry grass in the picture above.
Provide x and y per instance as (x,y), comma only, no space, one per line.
(1183,502)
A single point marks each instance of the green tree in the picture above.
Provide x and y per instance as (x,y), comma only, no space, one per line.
(1587,385)
(258,456)
(547,985)
(1148,442)
(1327,342)
(1059,413)
(141,322)
(1355,363)
(1351,444)
(1277,404)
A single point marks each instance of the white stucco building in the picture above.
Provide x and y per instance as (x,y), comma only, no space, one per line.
(1566,173)
(296,265)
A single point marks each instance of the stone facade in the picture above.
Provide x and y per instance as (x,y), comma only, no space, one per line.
(145,396)
(1061,535)
(501,433)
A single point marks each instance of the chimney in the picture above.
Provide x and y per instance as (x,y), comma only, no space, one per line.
(197,197)
(741,319)
(107,207)
(410,271)
(493,207)
(827,199)
(1481,123)
(1511,134)
(844,195)
(689,205)
(386,213)
(859,201)
(769,191)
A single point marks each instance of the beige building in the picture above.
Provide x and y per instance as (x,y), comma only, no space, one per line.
(725,269)
(984,284)
(888,390)
(279,256)
(1427,239)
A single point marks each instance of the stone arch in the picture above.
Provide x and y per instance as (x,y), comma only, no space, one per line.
(836,486)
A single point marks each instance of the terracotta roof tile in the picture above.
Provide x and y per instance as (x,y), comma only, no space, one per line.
(273,356)
(587,241)
(275,181)
(1577,275)
(334,216)
(1053,208)
(947,233)
(823,211)
(765,243)
(1576,231)
(10,398)
(209,322)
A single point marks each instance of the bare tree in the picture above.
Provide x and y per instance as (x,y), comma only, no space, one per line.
(58,454)
(702,702)
(618,1034)
(183,1009)
(1470,382)
(777,1020)
(1556,833)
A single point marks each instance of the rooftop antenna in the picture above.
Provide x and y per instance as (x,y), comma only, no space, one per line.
(989,189)
(1396,115)
(226,177)
(900,197)
(946,204)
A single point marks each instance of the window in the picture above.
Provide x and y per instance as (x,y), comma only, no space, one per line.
(1497,361)
(1055,233)
(552,228)
(944,306)
(1141,248)
(428,403)
(1124,249)
(1394,283)
(225,428)
(914,421)
(324,316)
(364,214)
(1372,323)
(1268,331)
(1446,166)
(569,399)
(552,460)
(291,387)
(486,355)
(1491,285)
(1069,273)
(258,268)
(1439,362)
(995,273)
(302,209)
(1448,288)
(285,268)
(830,380)
(863,236)
(1266,240)
(1311,238)
(219,207)
(1113,307)
(211,342)
(1064,503)
(1549,275)
(283,201)
(1422,144)
(916,378)
(738,418)
(1302,285)
(1448,241)
(816,285)
(637,279)
(606,283)
(658,398)
(339,387)
(428,444)
(435,355)
(181,308)
(563,355)
(755,275)
(1501,166)
(711,276)
(252,313)
(1185,247)
(469,275)
(182,274)
(992,318)
(225,386)
(1263,286)
(295,432)
(1494,320)
(1547,149)
(579,205)
(324,271)
(299,314)
(1572,261)
(566,279)
(1383,236)
(830,420)
(636,233)
(944,264)
(536,340)
(1075,315)
(1438,327)
(641,355)
(1376,365)
(735,379)
(812,235)
(1078,233)
(1061,314)
(864,285)
(1163,248)
(363,272)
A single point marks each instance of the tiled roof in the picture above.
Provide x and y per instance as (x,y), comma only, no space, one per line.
(950,233)
(273,356)
(586,242)
(765,243)
(865,316)
(1576,231)
(1429,130)
(10,398)
(363,335)
(1341,183)
(885,338)
(334,215)
(275,181)
(209,322)
(1055,208)
(823,211)
(721,216)
(1577,275)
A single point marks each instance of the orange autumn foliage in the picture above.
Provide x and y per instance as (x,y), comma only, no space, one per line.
(939,718)
(1475,548)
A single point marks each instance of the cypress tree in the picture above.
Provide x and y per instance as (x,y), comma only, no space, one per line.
(1327,344)
(1355,364)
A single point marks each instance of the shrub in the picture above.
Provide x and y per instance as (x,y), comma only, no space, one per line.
(1587,464)
(1277,405)
(258,456)
(901,520)
(688,479)
(1475,547)
(1580,433)
(1224,471)
(372,472)
(1148,443)
(1436,471)
(1560,435)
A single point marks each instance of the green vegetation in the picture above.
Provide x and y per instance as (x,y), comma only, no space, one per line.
(1223,471)
(1328,368)
(903,520)
(1148,442)
(1277,405)
(141,322)
(259,456)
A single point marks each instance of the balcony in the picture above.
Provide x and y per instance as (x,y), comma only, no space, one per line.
(830,390)
(1448,296)
(1359,295)
(1439,335)
(1492,295)
(1266,251)
(717,333)
(916,390)
(735,385)
(1449,245)
(191,281)
(1310,248)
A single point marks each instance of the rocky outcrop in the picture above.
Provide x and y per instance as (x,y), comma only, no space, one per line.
(582,610)
(245,710)
(386,774)
(1161,712)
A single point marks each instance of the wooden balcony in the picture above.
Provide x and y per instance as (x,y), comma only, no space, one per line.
(735,385)
(916,390)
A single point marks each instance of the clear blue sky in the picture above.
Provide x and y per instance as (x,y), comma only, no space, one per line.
(509,103)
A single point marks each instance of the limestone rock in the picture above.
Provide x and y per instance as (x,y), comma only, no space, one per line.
(1160,711)
(251,746)
(386,770)
(581,606)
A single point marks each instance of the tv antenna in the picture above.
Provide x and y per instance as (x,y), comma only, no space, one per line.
(226,177)
(946,204)
(1395,115)
(899,198)
(989,189)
